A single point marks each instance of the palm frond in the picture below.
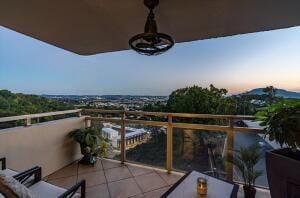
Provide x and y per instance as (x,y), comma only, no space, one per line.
(244,160)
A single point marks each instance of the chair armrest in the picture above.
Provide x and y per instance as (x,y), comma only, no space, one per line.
(71,191)
(25,175)
(3,163)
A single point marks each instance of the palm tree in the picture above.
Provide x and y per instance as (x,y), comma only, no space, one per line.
(245,160)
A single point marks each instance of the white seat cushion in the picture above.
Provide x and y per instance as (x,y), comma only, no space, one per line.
(45,190)
(9,172)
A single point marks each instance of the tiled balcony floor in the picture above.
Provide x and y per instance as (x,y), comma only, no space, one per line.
(110,179)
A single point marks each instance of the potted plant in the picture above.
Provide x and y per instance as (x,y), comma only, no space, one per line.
(92,144)
(282,124)
(245,160)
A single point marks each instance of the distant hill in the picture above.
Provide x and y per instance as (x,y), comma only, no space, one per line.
(12,104)
(105,97)
(280,93)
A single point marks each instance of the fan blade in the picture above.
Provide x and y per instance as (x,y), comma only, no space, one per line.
(155,47)
(157,41)
(143,45)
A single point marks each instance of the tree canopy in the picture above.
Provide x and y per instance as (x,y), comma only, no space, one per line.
(17,104)
(196,99)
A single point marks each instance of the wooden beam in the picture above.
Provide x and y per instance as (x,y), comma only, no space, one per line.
(229,151)
(123,132)
(169,162)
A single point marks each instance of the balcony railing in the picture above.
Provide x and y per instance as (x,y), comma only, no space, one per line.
(169,122)
(125,117)
(27,118)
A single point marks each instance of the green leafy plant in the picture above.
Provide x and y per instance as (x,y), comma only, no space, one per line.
(91,138)
(282,123)
(245,160)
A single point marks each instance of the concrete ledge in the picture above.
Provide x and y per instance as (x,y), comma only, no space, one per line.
(46,144)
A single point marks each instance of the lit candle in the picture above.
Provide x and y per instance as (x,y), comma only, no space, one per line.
(202,186)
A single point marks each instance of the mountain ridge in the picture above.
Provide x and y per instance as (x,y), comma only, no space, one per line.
(279,93)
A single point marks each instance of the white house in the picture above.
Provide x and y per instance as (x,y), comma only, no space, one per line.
(132,136)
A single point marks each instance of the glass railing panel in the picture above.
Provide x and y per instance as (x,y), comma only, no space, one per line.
(199,150)
(146,145)
(110,132)
(245,140)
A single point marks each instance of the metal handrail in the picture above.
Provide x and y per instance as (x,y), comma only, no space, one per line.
(169,124)
(28,117)
(165,114)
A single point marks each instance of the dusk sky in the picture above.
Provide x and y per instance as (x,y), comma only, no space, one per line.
(237,63)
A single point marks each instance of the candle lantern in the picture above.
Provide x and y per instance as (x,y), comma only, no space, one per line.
(202,187)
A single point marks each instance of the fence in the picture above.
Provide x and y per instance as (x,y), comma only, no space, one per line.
(229,128)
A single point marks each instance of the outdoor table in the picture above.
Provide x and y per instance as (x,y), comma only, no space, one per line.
(186,187)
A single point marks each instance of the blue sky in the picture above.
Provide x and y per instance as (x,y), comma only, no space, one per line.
(237,63)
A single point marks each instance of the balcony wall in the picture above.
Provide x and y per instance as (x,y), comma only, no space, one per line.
(45,144)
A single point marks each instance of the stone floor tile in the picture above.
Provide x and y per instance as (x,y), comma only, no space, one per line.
(150,182)
(64,182)
(124,188)
(139,170)
(170,178)
(97,191)
(67,171)
(93,178)
(90,168)
(110,164)
(115,174)
(156,193)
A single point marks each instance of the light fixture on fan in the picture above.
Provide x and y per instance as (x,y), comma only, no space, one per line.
(151,42)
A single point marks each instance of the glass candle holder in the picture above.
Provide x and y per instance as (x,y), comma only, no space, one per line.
(202,186)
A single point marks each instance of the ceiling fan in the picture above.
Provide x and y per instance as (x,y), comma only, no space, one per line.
(151,42)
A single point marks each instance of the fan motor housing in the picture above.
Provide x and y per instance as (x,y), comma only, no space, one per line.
(151,4)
